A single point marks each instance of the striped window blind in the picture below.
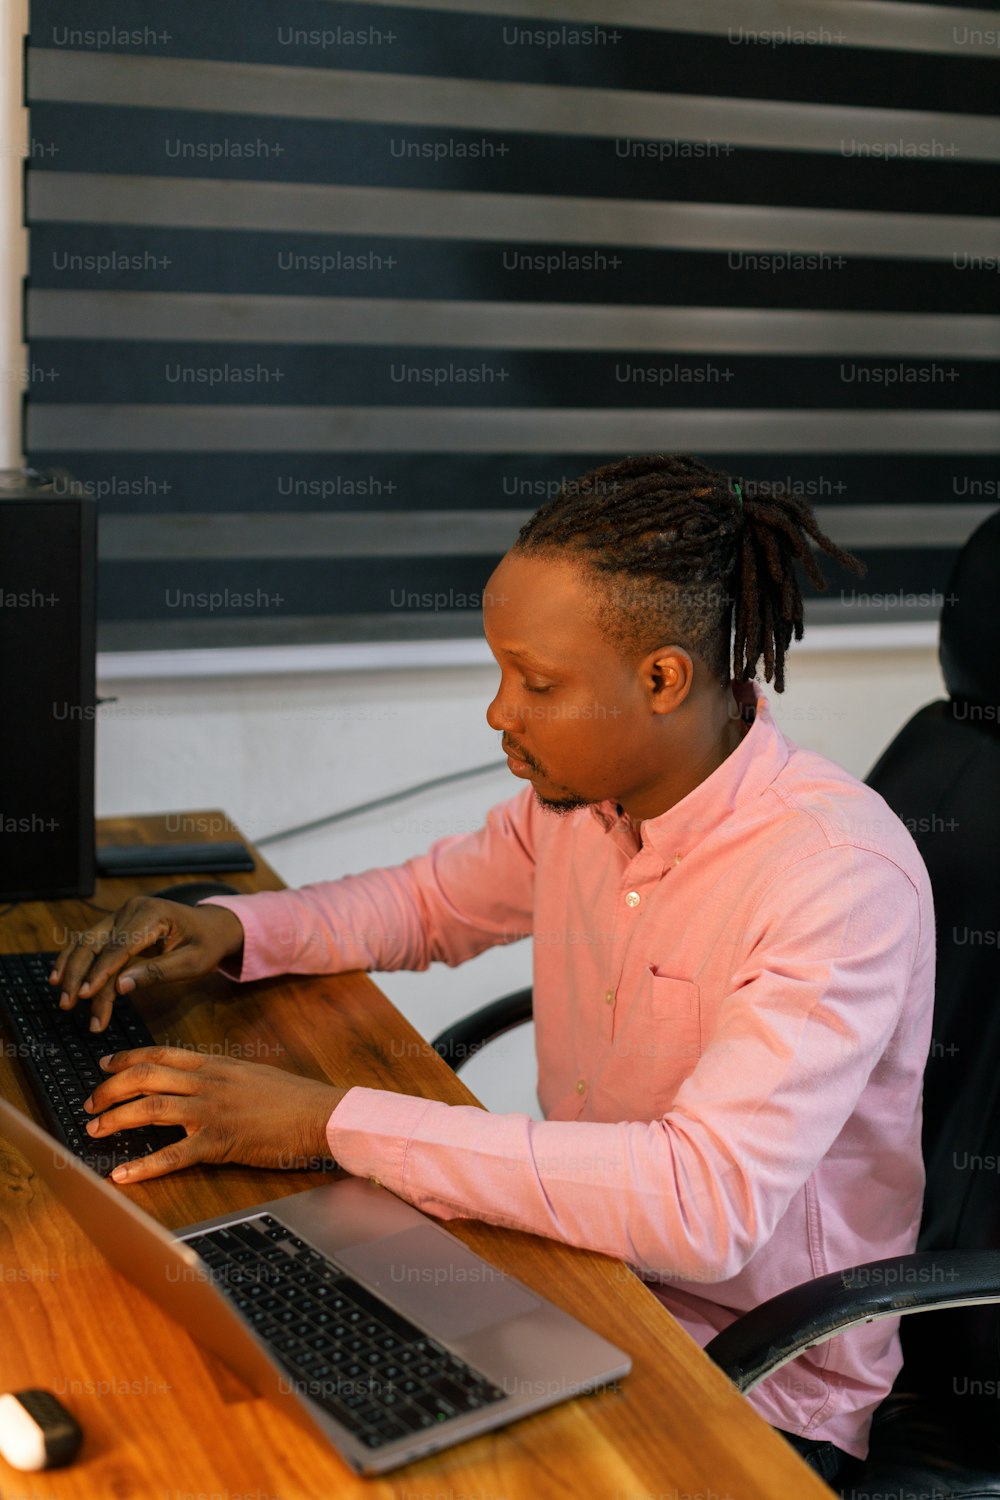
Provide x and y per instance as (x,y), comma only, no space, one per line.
(325,298)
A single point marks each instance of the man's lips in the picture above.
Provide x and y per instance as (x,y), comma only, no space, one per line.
(517,756)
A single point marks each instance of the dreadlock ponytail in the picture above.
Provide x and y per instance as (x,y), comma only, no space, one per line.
(682,552)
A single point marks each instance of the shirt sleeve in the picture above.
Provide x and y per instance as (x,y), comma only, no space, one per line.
(824,974)
(467,893)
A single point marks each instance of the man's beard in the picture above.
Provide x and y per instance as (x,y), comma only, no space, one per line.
(562,805)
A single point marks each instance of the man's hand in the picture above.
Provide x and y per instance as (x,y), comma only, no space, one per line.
(169,940)
(231,1110)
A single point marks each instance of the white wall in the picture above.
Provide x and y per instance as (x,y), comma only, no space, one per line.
(275,751)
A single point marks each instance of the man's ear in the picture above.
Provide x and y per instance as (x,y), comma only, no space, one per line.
(668,675)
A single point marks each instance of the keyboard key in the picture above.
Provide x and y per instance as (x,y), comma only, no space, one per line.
(436,1405)
(454,1394)
(414,1418)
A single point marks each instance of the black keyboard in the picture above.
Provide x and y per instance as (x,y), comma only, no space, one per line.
(378,1374)
(60,1058)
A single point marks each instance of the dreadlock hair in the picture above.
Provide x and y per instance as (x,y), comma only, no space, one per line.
(682,555)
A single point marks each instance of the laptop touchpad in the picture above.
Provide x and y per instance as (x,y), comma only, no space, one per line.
(436,1281)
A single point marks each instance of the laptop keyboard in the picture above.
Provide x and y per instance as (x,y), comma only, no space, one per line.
(60,1059)
(370,1368)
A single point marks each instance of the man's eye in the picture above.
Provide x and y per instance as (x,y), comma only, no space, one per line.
(531,689)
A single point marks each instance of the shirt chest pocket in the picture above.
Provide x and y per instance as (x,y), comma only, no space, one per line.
(657,1043)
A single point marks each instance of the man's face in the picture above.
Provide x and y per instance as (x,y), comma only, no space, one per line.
(569,707)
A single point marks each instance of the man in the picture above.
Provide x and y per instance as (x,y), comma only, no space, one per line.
(734,947)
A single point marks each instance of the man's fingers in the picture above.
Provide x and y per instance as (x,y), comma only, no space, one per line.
(138,976)
(62,958)
(182,964)
(84,966)
(59,963)
(100,1011)
(133,976)
(188,1059)
(73,962)
(142,1078)
(183,1153)
(129,936)
(151,1109)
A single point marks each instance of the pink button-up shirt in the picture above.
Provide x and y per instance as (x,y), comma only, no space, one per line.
(732,1017)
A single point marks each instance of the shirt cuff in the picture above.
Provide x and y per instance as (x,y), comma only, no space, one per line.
(369,1132)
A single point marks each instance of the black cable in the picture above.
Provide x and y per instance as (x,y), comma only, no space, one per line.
(362,807)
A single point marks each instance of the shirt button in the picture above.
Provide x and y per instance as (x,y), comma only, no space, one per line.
(633,898)
(678,858)
(374,1182)
(609,997)
(581,1084)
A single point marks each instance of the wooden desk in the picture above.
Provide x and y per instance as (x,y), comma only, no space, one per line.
(163,1419)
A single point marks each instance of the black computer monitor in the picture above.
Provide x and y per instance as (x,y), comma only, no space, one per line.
(48,561)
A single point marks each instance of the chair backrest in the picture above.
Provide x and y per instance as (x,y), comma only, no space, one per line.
(941,776)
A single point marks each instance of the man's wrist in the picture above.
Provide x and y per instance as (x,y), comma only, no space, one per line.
(331,1098)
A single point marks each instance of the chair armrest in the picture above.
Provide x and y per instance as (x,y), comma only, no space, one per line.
(457,1043)
(770,1335)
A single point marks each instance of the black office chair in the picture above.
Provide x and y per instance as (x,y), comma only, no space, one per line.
(938,1432)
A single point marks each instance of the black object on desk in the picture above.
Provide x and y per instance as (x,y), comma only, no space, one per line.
(36,1430)
(190,892)
(172,859)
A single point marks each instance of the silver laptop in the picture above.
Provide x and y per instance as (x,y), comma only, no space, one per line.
(363,1319)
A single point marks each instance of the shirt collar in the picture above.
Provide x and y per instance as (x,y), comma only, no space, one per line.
(742,777)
